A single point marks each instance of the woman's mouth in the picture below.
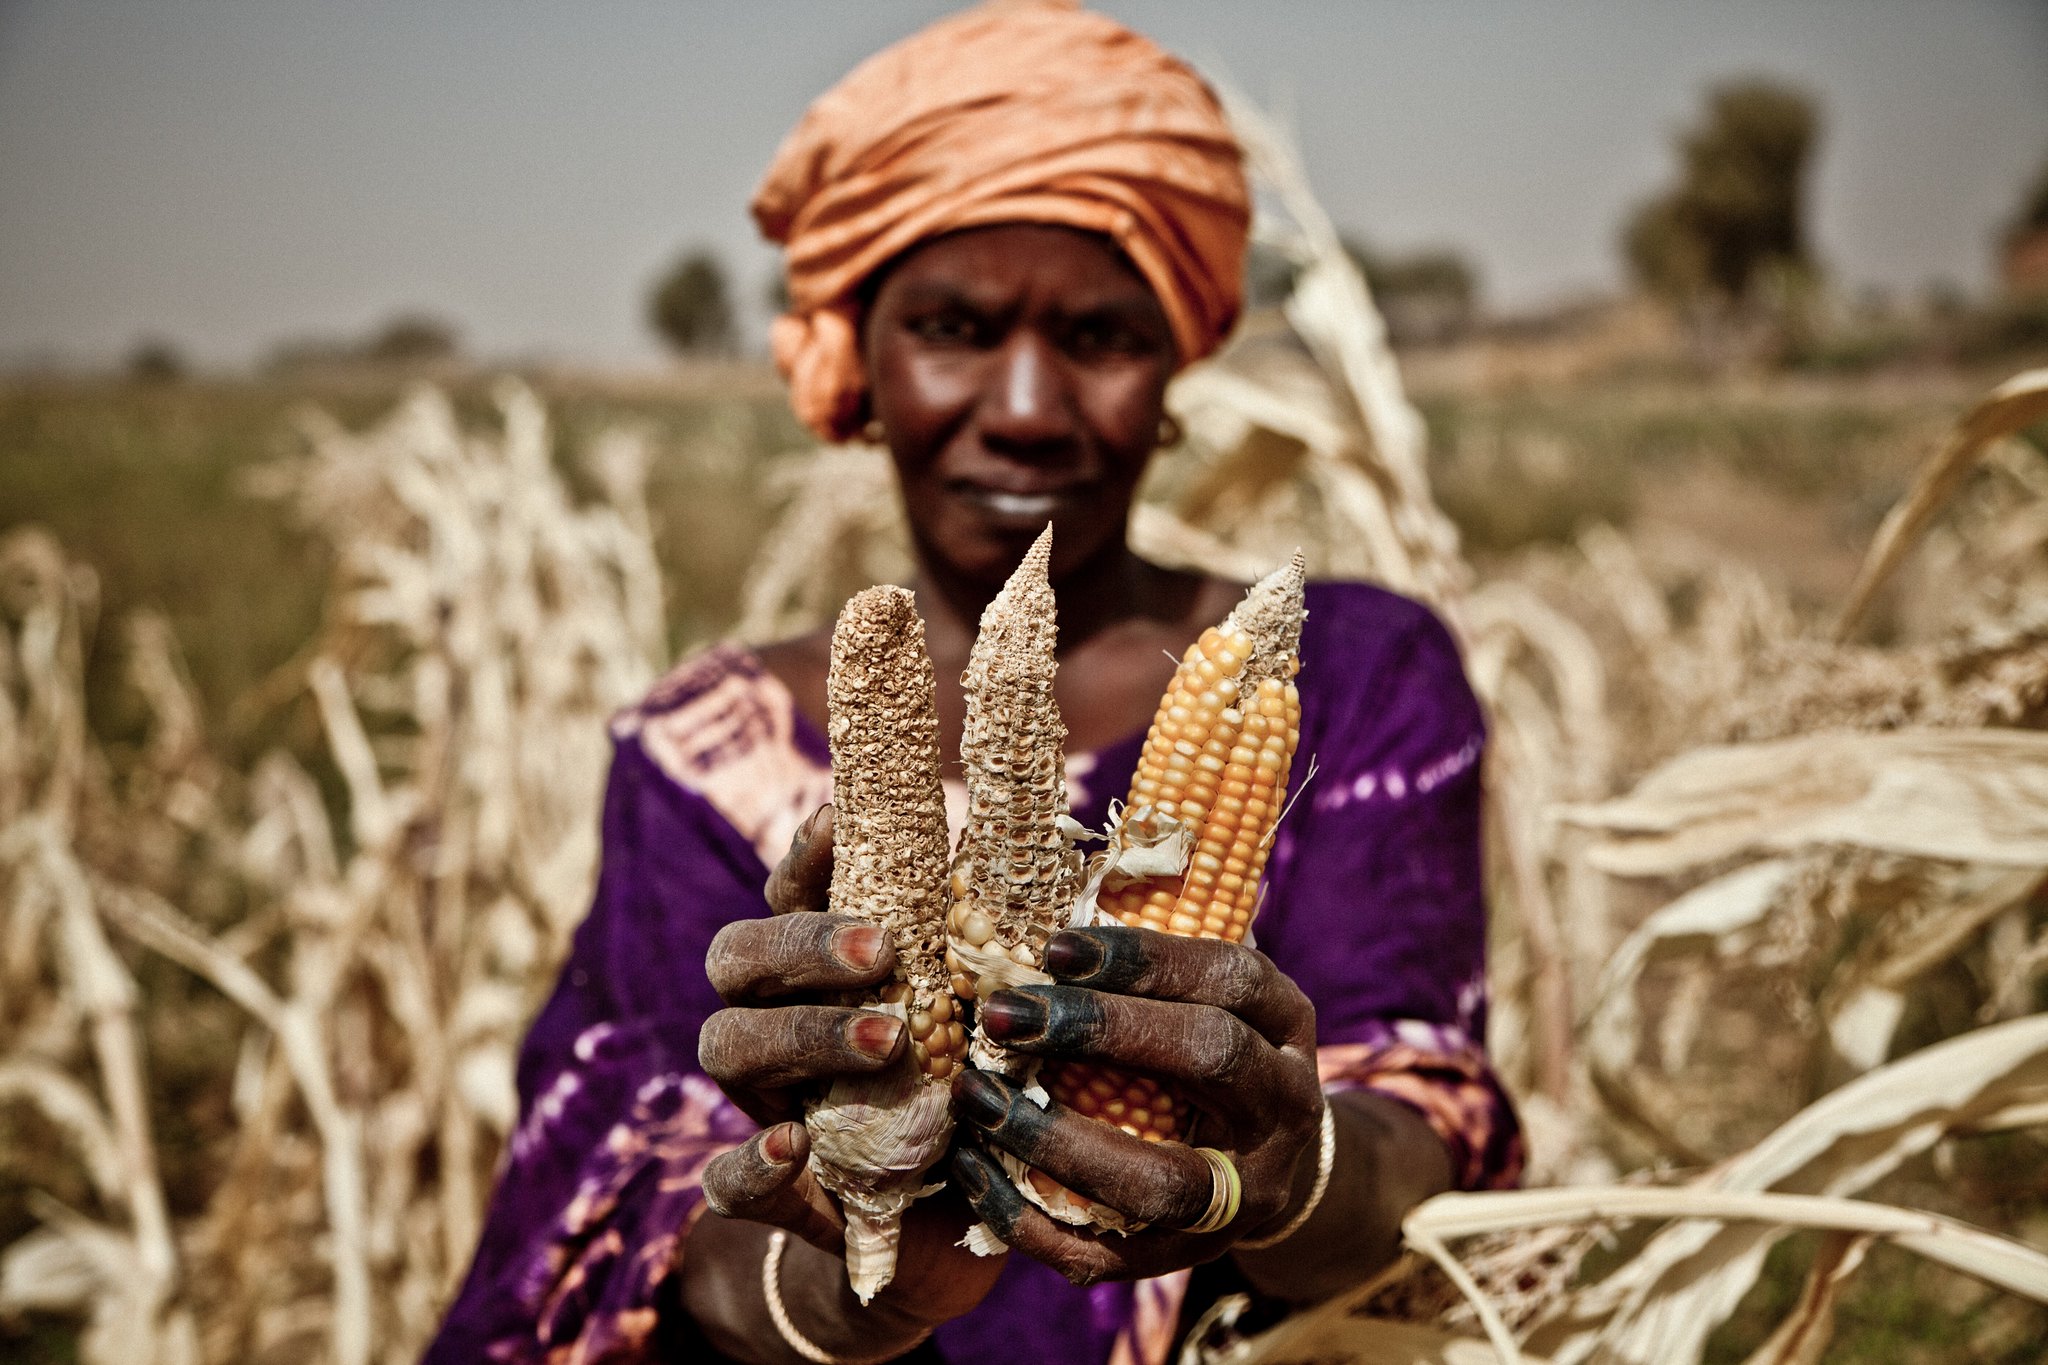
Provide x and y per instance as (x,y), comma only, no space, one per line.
(1003,505)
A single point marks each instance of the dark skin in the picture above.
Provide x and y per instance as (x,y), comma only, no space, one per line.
(1019,374)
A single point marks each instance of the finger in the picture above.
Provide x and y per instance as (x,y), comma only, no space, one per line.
(754,960)
(767,1179)
(1153,1182)
(1082,1257)
(1197,970)
(1210,1055)
(794,1044)
(804,876)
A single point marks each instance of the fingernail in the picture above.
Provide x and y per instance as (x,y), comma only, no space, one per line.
(875,1034)
(970,1172)
(1013,1016)
(778,1144)
(1070,954)
(859,946)
(994,1198)
(982,1100)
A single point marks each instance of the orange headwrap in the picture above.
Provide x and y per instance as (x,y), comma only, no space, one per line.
(1028,111)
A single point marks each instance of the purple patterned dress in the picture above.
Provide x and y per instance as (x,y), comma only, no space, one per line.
(1372,904)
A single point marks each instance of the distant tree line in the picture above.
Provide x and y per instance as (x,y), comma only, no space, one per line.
(409,340)
(1427,296)
(1726,243)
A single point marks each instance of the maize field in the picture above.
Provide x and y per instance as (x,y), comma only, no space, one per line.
(1770,934)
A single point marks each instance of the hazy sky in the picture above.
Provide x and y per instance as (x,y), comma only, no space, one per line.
(229,173)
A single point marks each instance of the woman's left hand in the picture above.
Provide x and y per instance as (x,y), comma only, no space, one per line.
(1216,1022)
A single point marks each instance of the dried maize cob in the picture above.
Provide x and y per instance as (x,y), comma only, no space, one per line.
(1015,872)
(1190,847)
(873,1137)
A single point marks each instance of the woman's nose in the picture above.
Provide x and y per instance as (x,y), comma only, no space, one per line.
(1027,404)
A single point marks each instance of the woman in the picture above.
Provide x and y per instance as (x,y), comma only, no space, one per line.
(1004,235)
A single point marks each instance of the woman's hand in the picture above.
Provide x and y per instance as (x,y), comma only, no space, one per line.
(777,1043)
(1217,1022)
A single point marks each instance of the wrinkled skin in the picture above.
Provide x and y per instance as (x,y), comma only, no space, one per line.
(1230,1033)
(778,1042)
(1233,1034)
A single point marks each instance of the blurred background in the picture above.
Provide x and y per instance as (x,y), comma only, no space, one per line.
(215,210)
(376,378)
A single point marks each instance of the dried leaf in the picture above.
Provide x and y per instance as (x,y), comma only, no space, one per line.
(2014,405)
(1965,795)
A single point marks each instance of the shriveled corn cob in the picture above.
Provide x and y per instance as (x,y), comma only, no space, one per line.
(873,1138)
(1015,872)
(1209,788)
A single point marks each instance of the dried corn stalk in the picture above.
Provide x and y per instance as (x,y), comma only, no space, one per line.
(1016,872)
(874,1137)
(1187,852)
(2014,405)
(367,1007)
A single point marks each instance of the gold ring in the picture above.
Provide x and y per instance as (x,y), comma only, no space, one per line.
(1226,1191)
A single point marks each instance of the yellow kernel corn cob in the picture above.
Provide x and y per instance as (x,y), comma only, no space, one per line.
(1217,759)
(1015,872)
(873,1137)
(1215,766)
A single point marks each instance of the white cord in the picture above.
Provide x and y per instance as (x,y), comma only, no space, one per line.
(771,1290)
(1326,1161)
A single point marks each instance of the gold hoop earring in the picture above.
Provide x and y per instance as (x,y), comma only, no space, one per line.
(873,432)
(1170,432)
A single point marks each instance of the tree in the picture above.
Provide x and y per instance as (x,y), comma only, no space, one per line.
(412,339)
(2033,211)
(1426,296)
(1737,214)
(155,361)
(407,339)
(691,306)
(2023,246)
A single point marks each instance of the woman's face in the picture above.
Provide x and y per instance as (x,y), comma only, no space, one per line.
(1019,372)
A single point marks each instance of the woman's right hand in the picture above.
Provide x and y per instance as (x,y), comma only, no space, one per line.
(778,1042)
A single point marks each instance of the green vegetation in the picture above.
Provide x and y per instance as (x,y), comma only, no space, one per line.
(1528,465)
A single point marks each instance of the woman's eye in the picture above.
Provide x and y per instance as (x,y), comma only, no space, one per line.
(1105,337)
(943,327)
